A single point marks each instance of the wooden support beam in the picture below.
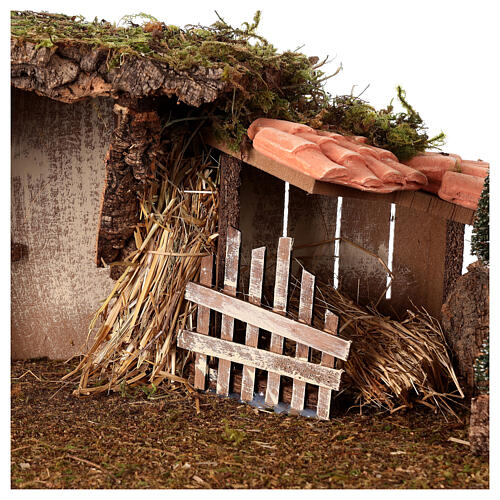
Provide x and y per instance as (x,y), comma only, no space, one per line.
(229,207)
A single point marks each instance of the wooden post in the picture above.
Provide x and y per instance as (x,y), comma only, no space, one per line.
(229,207)
(279,306)
(302,351)
(230,285)
(324,394)
(252,333)
(203,324)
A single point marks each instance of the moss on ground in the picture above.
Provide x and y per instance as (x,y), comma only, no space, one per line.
(262,81)
(159,440)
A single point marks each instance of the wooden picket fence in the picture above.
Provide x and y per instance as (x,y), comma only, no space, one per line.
(299,368)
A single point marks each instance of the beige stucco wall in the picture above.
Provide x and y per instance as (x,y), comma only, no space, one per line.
(57,175)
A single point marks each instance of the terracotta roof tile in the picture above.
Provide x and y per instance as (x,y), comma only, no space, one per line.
(461,189)
(349,161)
(283,125)
(297,153)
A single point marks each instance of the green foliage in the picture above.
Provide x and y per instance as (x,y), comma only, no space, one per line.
(482,368)
(261,81)
(233,436)
(402,133)
(480,243)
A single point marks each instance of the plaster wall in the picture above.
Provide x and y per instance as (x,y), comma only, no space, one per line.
(57,175)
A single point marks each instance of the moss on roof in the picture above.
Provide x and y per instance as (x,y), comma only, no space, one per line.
(263,81)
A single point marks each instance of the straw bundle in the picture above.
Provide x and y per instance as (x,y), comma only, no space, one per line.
(135,341)
(391,364)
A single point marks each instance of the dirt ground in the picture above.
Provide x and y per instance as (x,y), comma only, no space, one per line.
(160,439)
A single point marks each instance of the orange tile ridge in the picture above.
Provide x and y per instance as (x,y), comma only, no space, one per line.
(350,161)
(461,189)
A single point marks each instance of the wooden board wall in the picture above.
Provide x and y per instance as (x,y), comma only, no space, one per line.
(57,175)
(428,250)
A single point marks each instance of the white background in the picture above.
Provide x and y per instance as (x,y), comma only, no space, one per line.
(445,55)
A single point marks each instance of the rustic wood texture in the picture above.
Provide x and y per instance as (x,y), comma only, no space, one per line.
(418,262)
(279,306)
(465,317)
(203,323)
(261,218)
(366,223)
(72,71)
(306,302)
(312,220)
(324,394)
(268,320)
(417,200)
(258,358)
(130,163)
(454,256)
(57,173)
(252,332)
(229,207)
(230,284)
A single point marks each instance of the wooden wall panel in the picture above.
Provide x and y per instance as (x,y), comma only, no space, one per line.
(420,246)
(366,223)
(261,219)
(57,174)
(311,219)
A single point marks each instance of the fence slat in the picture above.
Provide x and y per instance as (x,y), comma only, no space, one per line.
(279,306)
(265,360)
(324,394)
(302,350)
(268,320)
(203,324)
(252,332)
(233,243)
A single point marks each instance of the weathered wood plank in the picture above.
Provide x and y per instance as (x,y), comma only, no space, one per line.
(418,262)
(302,350)
(203,324)
(311,224)
(361,275)
(229,208)
(325,395)
(230,283)
(252,332)
(262,198)
(268,320)
(276,363)
(279,306)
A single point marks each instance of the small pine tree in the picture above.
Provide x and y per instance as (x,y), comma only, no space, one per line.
(480,243)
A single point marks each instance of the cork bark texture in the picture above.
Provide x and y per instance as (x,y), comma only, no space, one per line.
(479,430)
(71,72)
(58,153)
(130,164)
(465,319)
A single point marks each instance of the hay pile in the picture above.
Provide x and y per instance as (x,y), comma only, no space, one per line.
(136,326)
(392,364)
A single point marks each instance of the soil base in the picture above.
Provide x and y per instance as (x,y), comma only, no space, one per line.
(138,439)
